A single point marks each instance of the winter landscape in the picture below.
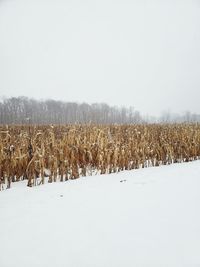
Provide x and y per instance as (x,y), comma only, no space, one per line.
(146,217)
(99,133)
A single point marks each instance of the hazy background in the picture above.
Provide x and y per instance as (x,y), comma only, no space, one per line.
(144,54)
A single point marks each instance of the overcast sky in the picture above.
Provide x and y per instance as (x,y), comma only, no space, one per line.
(141,53)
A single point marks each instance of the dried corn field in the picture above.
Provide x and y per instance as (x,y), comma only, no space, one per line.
(58,153)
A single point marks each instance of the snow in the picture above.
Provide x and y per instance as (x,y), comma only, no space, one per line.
(146,217)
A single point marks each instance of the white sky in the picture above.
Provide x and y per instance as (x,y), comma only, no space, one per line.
(141,53)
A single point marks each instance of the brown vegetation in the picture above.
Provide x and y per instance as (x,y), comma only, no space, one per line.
(59,153)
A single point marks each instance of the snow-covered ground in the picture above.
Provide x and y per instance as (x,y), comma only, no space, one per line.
(152,218)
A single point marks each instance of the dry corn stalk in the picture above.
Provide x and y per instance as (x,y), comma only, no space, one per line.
(70,151)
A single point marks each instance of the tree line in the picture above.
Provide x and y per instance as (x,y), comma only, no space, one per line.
(23,110)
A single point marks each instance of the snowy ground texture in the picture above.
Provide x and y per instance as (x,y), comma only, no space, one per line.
(150,219)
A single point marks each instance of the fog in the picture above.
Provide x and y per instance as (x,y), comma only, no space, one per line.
(127,53)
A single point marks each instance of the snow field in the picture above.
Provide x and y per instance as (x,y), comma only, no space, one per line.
(145,217)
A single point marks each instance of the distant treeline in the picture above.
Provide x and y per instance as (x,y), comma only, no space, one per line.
(22,110)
